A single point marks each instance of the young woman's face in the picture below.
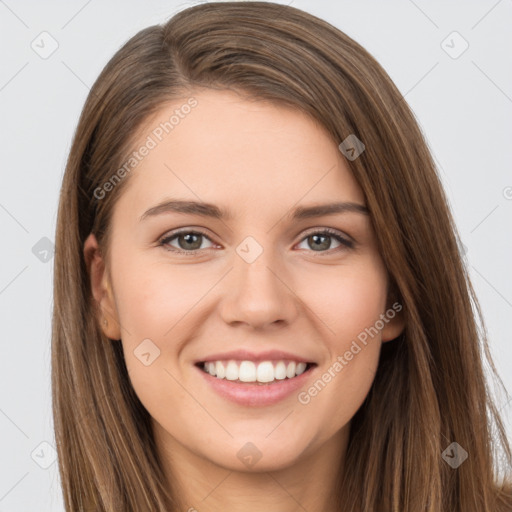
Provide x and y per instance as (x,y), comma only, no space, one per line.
(264,283)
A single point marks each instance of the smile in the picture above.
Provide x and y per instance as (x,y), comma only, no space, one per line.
(251,384)
(264,372)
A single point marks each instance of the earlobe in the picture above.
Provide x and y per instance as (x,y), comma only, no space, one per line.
(101,289)
(394,322)
(393,328)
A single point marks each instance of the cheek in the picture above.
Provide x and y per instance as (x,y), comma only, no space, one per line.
(161,303)
(153,301)
(152,298)
(349,300)
(350,305)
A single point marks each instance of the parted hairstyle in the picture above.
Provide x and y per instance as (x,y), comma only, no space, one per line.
(430,388)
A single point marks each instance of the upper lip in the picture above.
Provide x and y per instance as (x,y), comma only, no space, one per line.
(246,355)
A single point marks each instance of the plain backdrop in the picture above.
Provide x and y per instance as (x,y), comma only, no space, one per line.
(450,60)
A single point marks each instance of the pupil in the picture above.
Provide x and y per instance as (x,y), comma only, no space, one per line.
(321,245)
(187,237)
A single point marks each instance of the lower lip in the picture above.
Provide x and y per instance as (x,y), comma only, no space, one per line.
(257,395)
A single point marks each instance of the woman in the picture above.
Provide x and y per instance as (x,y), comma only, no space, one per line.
(259,296)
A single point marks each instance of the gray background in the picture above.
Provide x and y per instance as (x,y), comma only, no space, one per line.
(463,104)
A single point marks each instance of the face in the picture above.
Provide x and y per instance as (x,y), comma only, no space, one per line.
(267,285)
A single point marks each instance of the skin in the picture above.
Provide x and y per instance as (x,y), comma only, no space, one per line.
(258,160)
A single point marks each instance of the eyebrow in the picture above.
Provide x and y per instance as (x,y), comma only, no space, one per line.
(211,210)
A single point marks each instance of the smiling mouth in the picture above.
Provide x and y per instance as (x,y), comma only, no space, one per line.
(249,372)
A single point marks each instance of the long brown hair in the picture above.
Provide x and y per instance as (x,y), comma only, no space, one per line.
(430,389)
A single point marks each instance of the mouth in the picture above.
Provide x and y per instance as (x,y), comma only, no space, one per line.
(261,373)
(256,383)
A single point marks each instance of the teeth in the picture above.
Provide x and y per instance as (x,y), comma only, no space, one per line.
(290,370)
(220,371)
(248,371)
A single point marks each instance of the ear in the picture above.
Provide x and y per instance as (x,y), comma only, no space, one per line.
(101,287)
(394,319)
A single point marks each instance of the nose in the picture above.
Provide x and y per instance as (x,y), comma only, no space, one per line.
(259,294)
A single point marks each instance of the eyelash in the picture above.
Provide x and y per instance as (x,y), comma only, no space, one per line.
(348,244)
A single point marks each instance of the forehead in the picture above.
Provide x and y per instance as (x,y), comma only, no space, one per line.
(236,151)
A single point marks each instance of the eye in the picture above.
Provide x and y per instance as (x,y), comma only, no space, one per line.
(320,240)
(188,241)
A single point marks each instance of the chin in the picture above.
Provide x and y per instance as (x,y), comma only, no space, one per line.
(257,456)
